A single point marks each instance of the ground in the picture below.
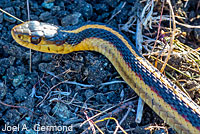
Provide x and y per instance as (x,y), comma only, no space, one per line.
(72,83)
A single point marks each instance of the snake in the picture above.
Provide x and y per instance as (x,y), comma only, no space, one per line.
(165,98)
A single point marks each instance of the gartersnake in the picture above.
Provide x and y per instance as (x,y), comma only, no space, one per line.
(165,98)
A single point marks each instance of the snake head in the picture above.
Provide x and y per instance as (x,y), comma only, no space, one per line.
(38,36)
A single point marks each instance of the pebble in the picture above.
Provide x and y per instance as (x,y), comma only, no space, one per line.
(36,58)
(96,73)
(47,57)
(6,62)
(5,3)
(18,12)
(2,70)
(101,98)
(34,17)
(47,5)
(89,93)
(20,94)
(46,67)
(18,80)
(8,18)
(34,6)
(85,9)
(11,117)
(112,97)
(71,19)
(101,8)
(45,16)
(55,9)
(115,87)
(112,3)
(3,90)
(1,17)
(62,111)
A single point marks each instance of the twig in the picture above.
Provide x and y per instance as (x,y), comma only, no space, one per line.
(78,84)
(125,116)
(11,15)
(104,111)
(117,10)
(165,17)
(172,38)
(117,110)
(28,12)
(139,113)
(68,82)
(173,68)
(18,107)
(186,25)
(139,36)
(109,83)
(158,33)
(90,122)
(117,127)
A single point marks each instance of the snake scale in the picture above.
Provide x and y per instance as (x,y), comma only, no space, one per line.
(164,97)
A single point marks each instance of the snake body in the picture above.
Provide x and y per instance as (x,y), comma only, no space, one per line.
(164,97)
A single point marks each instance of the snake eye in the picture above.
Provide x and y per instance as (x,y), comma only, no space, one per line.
(19,36)
(35,40)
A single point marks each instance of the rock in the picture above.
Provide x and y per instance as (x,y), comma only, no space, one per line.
(34,6)
(45,16)
(96,73)
(2,70)
(1,17)
(85,9)
(89,93)
(11,117)
(34,17)
(46,67)
(18,12)
(36,58)
(101,98)
(6,62)
(18,80)
(20,94)
(3,90)
(112,97)
(47,5)
(112,3)
(62,111)
(101,7)
(71,19)
(55,9)
(46,57)
(11,11)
